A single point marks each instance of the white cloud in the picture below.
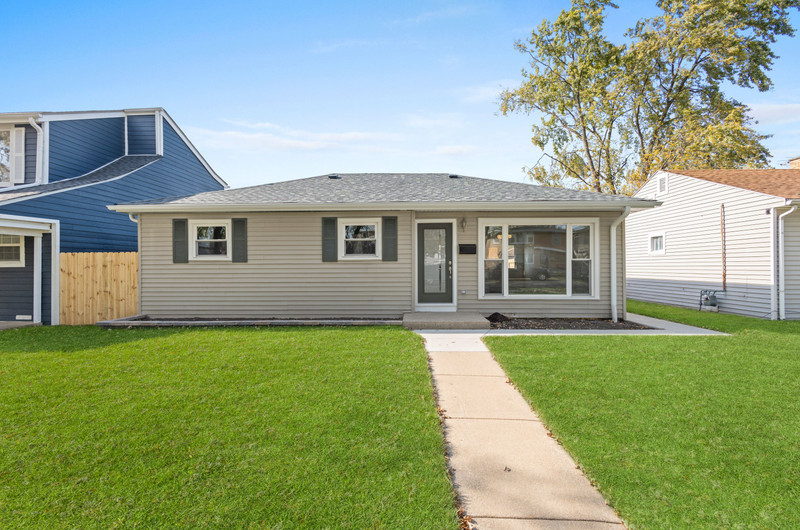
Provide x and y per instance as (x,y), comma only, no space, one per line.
(450,120)
(271,136)
(250,141)
(484,93)
(776,113)
(453,150)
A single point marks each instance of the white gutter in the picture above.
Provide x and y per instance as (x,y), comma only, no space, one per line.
(39,150)
(613,231)
(483,206)
(782,250)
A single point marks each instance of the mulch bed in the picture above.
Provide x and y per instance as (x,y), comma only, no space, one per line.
(500,321)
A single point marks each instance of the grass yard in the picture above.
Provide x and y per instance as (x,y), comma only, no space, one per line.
(679,432)
(316,427)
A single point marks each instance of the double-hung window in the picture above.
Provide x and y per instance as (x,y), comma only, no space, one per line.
(359,239)
(535,258)
(12,156)
(12,251)
(656,244)
(210,240)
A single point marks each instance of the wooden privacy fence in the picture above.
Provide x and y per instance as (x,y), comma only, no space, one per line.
(98,286)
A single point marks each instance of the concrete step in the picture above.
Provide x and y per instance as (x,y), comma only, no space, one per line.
(449,320)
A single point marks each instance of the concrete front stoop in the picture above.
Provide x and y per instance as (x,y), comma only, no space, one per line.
(507,471)
(445,320)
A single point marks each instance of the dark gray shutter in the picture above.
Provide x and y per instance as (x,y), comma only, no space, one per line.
(180,241)
(329,230)
(239,241)
(389,242)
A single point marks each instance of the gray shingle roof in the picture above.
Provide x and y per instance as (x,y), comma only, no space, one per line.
(118,168)
(382,188)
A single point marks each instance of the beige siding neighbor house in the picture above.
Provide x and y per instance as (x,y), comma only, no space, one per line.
(380,245)
(736,232)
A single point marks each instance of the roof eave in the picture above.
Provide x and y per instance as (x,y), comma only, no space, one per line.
(377,206)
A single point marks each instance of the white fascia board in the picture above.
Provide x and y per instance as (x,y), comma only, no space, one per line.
(63,190)
(26,223)
(192,148)
(18,117)
(386,206)
(90,115)
(143,111)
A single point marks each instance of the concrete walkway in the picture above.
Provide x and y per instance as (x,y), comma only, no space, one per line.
(507,471)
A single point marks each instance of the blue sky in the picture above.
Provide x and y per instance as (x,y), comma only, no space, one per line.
(276,90)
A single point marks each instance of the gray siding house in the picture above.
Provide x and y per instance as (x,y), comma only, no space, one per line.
(380,245)
(733,231)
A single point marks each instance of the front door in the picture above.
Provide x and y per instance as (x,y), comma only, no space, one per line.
(435,263)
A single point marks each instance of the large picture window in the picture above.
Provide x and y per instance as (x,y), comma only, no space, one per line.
(359,239)
(538,258)
(210,240)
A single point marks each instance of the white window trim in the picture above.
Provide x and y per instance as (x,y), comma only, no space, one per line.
(594,222)
(663,250)
(359,221)
(16,159)
(21,261)
(193,224)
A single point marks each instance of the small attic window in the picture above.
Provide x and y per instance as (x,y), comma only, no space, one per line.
(663,185)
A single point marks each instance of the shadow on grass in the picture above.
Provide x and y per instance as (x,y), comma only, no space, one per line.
(75,338)
(78,338)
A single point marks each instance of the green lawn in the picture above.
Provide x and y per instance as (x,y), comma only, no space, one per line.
(322,427)
(678,432)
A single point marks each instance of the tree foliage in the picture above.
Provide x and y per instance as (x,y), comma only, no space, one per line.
(609,115)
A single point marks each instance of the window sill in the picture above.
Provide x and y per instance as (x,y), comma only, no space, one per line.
(212,259)
(538,297)
(359,258)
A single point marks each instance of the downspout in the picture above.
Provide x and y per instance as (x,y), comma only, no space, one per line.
(39,150)
(782,250)
(134,217)
(773,291)
(614,226)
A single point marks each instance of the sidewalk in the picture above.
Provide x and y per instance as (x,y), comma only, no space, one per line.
(508,473)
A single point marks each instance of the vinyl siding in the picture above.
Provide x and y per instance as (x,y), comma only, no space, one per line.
(142,134)
(16,287)
(792,264)
(30,154)
(690,220)
(88,226)
(285,274)
(79,146)
(47,278)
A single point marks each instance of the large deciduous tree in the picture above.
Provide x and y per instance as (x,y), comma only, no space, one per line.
(609,115)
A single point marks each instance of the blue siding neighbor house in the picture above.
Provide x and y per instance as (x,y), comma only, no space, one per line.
(59,170)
